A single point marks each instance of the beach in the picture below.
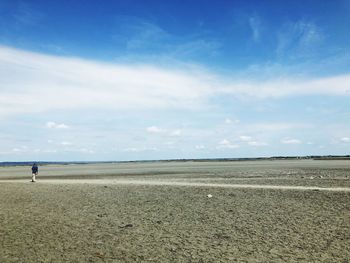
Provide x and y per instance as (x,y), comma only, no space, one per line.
(262,211)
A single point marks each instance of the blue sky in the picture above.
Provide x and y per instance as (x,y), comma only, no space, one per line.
(130,80)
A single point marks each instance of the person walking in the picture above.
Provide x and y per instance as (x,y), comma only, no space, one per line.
(35,171)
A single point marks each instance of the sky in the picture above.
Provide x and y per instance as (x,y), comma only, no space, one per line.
(145,80)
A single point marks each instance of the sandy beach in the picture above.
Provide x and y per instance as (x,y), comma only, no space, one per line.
(277,211)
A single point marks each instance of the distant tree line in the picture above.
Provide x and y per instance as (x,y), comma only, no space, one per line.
(312,157)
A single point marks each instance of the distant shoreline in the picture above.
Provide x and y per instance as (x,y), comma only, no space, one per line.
(311,157)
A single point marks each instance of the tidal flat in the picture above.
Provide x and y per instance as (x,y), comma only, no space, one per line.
(259,211)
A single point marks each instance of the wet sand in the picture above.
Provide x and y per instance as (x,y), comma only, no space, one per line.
(150,213)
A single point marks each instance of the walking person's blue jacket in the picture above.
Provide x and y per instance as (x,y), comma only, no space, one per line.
(35,169)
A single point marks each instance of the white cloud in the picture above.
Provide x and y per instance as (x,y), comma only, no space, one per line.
(158,130)
(200,147)
(290,141)
(84,84)
(285,87)
(140,149)
(245,138)
(154,129)
(230,146)
(54,125)
(176,133)
(20,149)
(76,150)
(230,121)
(256,143)
(227,144)
(345,139)
(31,82)
(66,143)
(250,141)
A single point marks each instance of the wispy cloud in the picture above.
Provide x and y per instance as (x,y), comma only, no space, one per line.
(300,38)
(251,141)
(231,121)
(154,129)
(257,144)
(145,36)
(20,149)
(138,149)
(334,86)
(345,139)
(65,143)
(26,15)
(245,138)
(200,147)
(226,144)
(54,125)
(277,126)
(164,132)
(176,133)
(82,84)
(290,141)
(79,150)
(255,26)
(196,47)
(85,84)
(139,34)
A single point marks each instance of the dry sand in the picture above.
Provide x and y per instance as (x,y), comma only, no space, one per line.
(259,212)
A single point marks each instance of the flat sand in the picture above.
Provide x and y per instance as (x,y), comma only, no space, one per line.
(278,211)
